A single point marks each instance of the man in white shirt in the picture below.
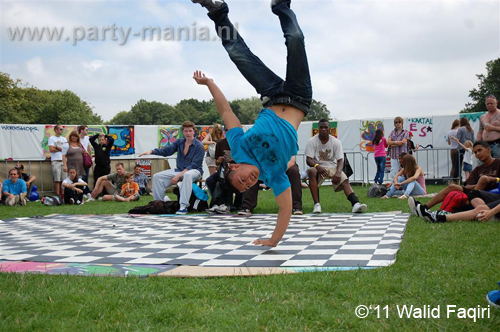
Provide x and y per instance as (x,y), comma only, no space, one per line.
(325,156)
(56,144)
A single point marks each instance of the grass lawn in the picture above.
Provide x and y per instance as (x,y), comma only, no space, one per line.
(437,265)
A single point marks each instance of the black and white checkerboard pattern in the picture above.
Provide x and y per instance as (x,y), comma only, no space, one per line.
(326,240)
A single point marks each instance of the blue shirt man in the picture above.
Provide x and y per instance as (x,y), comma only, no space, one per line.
(14,189)
(189,167)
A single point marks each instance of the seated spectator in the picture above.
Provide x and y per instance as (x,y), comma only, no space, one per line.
(326,158)
(483,177)
(486,207)
(129,191)
(111,182)
(222,191)
(142,180)
(1,198)
(14,189)
(29,179)
(189,168)
(73,187)
(409,181)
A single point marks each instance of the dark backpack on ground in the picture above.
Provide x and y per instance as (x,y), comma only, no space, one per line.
(157,207)
(377,190)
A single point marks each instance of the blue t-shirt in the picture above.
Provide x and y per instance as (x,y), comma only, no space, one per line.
(269,145)
(14,188)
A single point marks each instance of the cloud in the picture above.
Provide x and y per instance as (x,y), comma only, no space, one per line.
(366,57)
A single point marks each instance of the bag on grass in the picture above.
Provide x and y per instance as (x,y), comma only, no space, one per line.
(347,167)
(377,190)
(157,207)
(454,201)
(52,200)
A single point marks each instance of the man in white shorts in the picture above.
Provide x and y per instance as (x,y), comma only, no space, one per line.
(325,156)
(56,144)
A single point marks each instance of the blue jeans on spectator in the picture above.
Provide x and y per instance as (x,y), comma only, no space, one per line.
(297,85)
(379,177)
(410,189)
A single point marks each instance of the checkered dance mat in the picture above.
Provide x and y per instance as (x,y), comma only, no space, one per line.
(312,242)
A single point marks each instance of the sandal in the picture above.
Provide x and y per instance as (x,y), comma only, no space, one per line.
(403,197)
(385,197)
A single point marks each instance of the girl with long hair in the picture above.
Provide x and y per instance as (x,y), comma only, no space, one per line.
(380,144)
(211,140)
(409,180)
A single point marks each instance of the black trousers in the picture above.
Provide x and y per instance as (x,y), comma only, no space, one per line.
(101,170)
(70,193)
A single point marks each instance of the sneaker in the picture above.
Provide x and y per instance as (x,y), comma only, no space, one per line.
(493,298)
(244,212)
(212,210)
(78,202)
(434,216)
(412,204)
(274,3)
(23,201)
(182,211)
(297,212)
(209,4)
(91,199)
(359,208)
(71,201)
(317,208)
(221,209)
(403,197)
(88,196)
(100,198)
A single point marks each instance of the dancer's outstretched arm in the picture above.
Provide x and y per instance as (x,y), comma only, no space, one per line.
(225,111)
(285,205)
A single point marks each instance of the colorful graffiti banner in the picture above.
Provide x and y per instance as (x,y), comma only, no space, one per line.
(333,129)
(145,166)
(124,140)
(168,135)
(49,131)
(83,269)
(368,129)
(202,132)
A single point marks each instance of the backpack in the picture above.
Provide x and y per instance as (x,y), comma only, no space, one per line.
(52,200)
(197,201)
(157,207)
(454,201)
(377,190)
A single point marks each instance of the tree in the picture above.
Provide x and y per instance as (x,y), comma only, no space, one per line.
(22,103)
(488,84)
(317,111)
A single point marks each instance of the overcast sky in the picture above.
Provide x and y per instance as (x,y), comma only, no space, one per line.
(367,58)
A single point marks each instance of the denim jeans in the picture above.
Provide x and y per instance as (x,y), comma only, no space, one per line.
(395,166)
(410,189)
(298,81)
(379,177)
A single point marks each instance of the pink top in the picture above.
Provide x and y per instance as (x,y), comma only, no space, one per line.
(380,148)
(421,181)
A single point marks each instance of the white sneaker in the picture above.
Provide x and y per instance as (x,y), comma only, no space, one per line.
(317,208)
(212,210)
(359,208)
(91,199)
(89,196)
(221,209)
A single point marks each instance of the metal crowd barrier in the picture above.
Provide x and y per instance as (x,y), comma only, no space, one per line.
(436,164)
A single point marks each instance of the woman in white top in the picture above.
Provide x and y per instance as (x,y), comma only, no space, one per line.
(73,188)
(211,140)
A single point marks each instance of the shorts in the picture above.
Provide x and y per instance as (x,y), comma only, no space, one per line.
(210,161)
(113,188)
(467,167)
(57,171)
(331,174)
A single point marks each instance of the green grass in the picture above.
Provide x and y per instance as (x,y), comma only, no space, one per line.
(438,264)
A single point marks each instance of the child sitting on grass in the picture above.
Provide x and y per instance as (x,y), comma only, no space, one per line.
(129,192)
(73,194)
(410,178)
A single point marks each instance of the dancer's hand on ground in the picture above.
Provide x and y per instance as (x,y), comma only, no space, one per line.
(147,153)
(200,78)
(265,243)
